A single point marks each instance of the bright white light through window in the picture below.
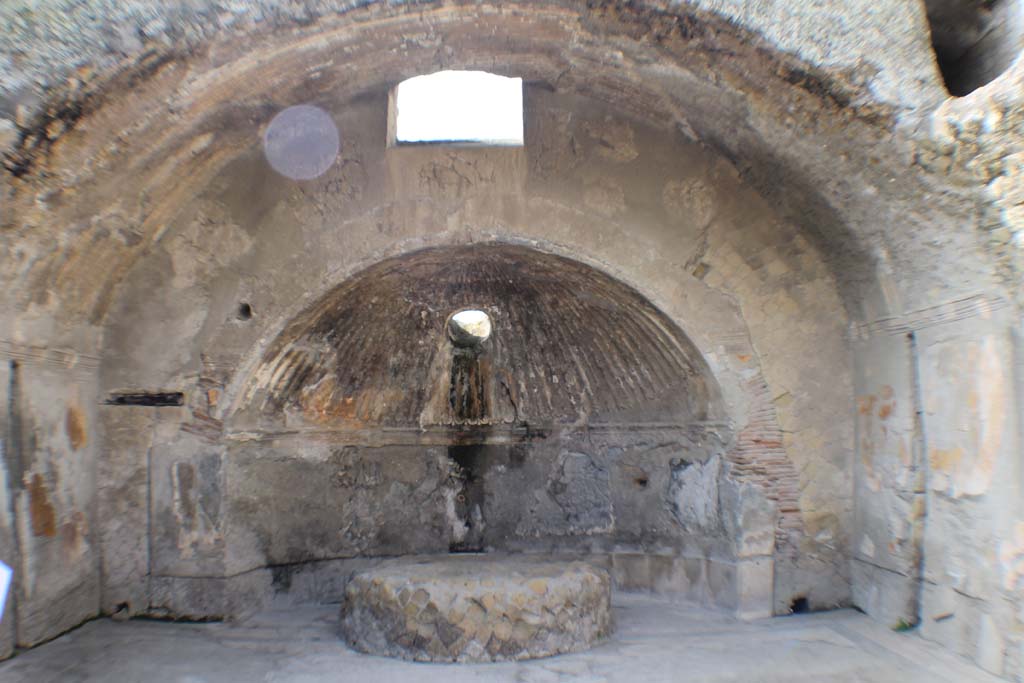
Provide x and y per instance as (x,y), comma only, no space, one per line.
(460,106)
(469,327)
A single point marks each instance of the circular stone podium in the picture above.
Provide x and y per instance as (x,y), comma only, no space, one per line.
(473,608)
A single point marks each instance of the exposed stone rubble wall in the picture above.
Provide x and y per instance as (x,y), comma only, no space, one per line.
(475,609)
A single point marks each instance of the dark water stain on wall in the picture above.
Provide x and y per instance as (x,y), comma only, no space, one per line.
(470,463)
(19,439)
(468,395)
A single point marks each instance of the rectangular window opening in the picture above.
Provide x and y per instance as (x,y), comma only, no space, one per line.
(458,107)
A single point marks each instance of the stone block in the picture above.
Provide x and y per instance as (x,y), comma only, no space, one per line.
(950,618)
(205,599)
(631,571)
(476,608)
(755,581)
(884,595)
(722,585)
(122,501)
(990,647)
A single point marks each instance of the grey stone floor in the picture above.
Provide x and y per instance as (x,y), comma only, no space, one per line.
(654,641)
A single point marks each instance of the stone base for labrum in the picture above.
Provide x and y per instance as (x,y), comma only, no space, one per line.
(475,608)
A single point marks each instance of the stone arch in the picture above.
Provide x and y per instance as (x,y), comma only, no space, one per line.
(480,195)
(701,95)
(596,407)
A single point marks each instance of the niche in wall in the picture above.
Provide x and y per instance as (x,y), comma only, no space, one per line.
(583,422)
(975,40)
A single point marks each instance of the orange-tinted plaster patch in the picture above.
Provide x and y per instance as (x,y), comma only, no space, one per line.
(74,425)
(866,404)
(946,459)
(41,510)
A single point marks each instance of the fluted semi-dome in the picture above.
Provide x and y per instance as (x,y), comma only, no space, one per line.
(569,345)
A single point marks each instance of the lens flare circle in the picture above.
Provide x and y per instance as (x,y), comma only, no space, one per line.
(301,142)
